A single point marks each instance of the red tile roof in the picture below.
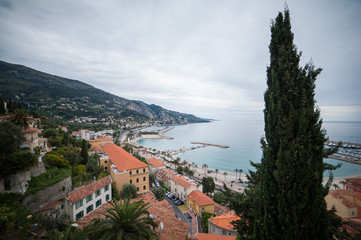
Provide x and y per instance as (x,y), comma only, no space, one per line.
(30,129)
(225,221)
(101,140)
(155,162)
(338,192)
(121,158)
(181,180)
(354,180)
(86,190)
(206,236)
(51,205)
(200,198)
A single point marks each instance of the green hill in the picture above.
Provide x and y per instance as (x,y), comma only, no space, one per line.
(66,98)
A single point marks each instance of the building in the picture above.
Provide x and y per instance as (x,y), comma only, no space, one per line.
(353,184)
(200,202)
(82,134)
(206,236)
(32,139)
(83,200)
(222,225)
(155,164)
(347,203)
(125,168)
(181,186)
(165,175)
(100,141)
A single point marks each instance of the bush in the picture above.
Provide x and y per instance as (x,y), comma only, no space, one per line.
(56,160)
(205,217)
(129,190)
(159,193)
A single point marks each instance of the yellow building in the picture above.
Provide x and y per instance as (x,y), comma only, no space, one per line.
(346,202)
(200,202)
(125,168)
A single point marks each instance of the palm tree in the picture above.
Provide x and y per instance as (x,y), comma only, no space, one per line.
(205,166)
(216,173)
(125,221)
(176,162)
(236,170)
(240,172)
(335,186)
(343,182)
(225,174)
(21,119)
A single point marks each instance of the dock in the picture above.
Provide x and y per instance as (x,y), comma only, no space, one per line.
(211,144)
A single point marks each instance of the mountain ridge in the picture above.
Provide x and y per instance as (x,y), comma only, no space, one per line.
(74,97)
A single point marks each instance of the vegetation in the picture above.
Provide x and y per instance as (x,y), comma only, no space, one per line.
(152,177)
(49,178)
(115,192)
(285,199)
(159,192)
(125,221)
(205,217)
(128,191)
(208,185)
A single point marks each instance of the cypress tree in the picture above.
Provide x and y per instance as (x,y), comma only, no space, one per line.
(289,203)
(84,152)
(2,107)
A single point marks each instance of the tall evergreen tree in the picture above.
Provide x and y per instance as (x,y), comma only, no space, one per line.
(84,152)
(2,107)
(289,201)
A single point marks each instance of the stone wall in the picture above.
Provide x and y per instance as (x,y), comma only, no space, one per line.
(19,181)
(48,195)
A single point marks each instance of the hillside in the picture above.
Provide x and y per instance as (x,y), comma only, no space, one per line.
(66,98)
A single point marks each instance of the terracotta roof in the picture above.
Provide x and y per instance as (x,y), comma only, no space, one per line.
(96,149)
(155,162)
(121,158)
(206,236)
(352,194)
(354,180)
(225,221)
(219,209)
(161,211)
(30,129)
(181,180)
(86,190)
(200,198)
(51,205)
(344,200)
(166,171)
(101,140)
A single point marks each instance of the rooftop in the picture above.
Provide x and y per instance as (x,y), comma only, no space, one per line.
(225,221)
(155,162)
(200,198)
(183,181)
(356,195)
(86,190)
(354,180)
(30,129)
(121,158)
(51,205)
(101,140)
(206,236)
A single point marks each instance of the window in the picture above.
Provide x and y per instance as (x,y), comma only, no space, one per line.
(89,209)
(144,179)
(137,179)
(106,188)
(79,215)
(144,187)
(62,206)
(107,197)
(130,172)
(106,161)
(143,169)
(137,171)
(89,198)
(78,204)
(98,203)
(97,193)
(202,209)
(106,168)
(131,181)
(137,189)
(224,232)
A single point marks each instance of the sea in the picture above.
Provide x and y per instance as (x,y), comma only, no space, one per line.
(243,138)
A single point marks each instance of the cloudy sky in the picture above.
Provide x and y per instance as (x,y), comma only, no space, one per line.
(205,57)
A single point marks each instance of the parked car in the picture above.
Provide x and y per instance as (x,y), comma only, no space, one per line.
(170,196)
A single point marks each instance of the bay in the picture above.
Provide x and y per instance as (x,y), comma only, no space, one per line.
(243,138)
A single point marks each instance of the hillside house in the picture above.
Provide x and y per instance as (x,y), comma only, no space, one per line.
(353,184)
(182,186)
(347,203)
(165,175)
(125,168)
(222,225)
(155,164)
(200,202)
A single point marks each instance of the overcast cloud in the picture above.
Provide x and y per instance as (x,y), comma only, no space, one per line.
(207,57)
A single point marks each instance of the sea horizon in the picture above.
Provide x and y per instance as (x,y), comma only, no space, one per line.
(243,138)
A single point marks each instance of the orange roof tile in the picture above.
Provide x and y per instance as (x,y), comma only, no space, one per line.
(356,195)
(181,180)
(121,158)
(225,221)
(86,190)
(206,236)
(155,162)
(51,205)
(101,140)
(200,198)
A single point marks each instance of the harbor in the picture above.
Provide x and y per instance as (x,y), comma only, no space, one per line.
(348,152)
